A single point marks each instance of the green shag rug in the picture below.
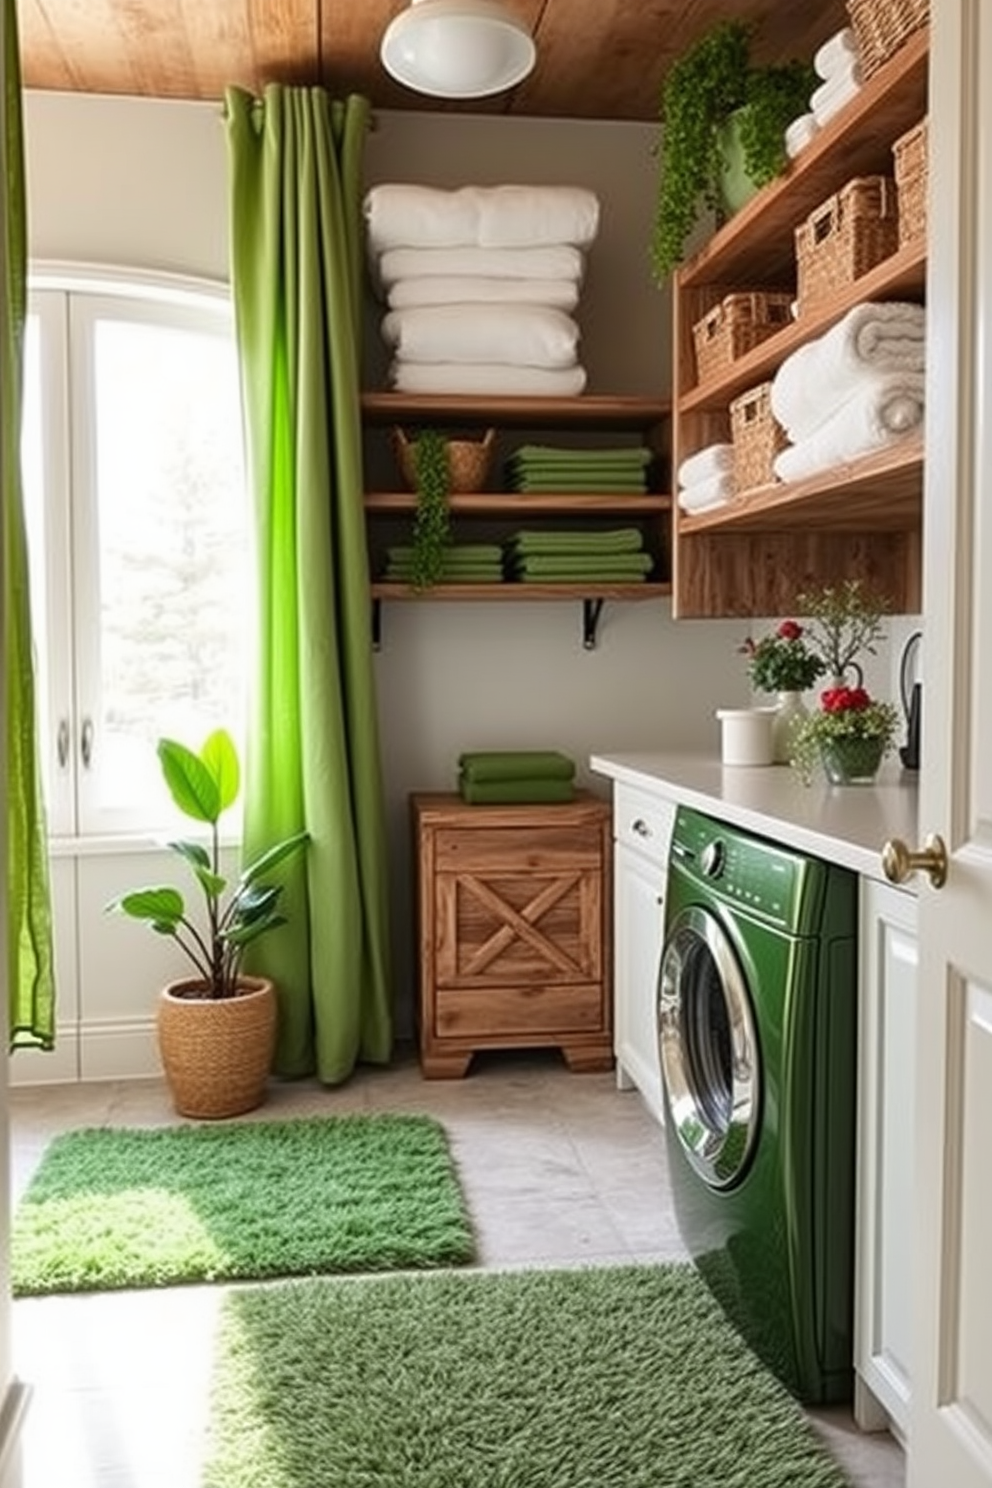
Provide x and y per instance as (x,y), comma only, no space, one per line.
(119,1207)
(625,1377)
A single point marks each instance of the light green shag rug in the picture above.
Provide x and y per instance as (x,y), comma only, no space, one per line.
(625,1377)
(121,1207)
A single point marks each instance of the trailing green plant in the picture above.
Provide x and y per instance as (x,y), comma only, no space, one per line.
(432,523)
(203,785)
(704,87)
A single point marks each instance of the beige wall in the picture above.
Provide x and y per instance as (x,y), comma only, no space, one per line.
(141,182)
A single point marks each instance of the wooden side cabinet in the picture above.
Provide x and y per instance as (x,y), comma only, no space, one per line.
(514,908)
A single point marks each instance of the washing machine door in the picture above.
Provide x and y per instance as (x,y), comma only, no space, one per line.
(708,1048)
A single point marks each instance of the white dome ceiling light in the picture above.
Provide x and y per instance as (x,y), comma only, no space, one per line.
(457,48)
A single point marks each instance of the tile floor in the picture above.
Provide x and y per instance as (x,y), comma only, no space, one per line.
(558,1169)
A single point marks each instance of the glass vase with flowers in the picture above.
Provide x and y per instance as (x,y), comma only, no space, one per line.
(849,734)
(783,663)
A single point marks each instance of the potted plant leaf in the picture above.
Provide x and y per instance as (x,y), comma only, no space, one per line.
(710,85)
(216,1029)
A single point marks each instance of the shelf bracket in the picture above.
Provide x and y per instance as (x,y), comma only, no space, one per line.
(591,611)
(377,625)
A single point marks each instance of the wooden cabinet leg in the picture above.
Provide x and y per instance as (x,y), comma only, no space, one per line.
(444,1066)
(581,1059)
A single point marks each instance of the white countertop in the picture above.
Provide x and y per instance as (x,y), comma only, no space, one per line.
(843,824)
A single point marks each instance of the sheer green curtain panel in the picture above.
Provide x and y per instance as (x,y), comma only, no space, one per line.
(28,939)
(312,752)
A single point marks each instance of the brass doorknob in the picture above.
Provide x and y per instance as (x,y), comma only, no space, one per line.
(899,863)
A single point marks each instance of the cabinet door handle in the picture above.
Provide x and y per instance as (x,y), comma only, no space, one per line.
(640,826)
(62,743)
(86,743)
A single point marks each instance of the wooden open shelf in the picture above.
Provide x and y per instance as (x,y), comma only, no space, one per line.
(882,492)
(862,519)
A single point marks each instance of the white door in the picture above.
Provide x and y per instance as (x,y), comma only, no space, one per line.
(951,1415)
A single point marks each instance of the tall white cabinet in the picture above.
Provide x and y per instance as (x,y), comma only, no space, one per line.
(886,1155)
(642,827)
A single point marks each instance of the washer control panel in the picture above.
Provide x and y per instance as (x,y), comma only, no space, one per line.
(762,877)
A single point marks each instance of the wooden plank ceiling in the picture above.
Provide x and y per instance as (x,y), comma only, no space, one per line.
(596,59)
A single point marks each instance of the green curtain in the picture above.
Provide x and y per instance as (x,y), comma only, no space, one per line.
(29,923)
(312,756)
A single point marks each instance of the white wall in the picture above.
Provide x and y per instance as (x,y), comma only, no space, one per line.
(143,182)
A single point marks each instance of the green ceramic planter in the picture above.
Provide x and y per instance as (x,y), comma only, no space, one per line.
(852,761)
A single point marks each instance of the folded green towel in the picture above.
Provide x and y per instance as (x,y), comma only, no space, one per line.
(457,551)
(619,540)
(515,792)
(616,565)
(635,456)
(604,484)
(470,576)
(491,765)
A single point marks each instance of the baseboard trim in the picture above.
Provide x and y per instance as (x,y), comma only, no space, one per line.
(105,1050)
(13,1411)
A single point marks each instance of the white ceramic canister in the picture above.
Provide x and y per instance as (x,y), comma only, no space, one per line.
(747,735)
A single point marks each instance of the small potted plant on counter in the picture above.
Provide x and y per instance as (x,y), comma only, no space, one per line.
(849,734)
(216,1030)
(783,663)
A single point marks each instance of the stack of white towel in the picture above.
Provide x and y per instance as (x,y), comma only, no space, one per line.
(856,388)
(706,479)
(838,64)
(481,284)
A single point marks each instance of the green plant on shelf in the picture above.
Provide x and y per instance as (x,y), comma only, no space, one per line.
(709,84)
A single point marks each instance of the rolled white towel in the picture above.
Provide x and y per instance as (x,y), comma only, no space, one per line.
(714,490)
(715,459)
(873,339)
(518,335)
(405,216)
(871,418)
(557,294)
(836,54)
(555,261)
(799,133)
(831,97)
(486,378)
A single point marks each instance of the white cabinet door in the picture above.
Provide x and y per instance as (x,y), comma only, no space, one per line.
(886,1103)
(643,829)
(951,1419)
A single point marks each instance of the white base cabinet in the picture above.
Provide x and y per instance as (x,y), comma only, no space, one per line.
(885,1160)
(642,828)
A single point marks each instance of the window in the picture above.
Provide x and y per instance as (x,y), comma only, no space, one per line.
(138,538)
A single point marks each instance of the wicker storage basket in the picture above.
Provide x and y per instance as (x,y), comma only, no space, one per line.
(732,328)
(912,180)
(757,438)
(881,27)
(468,460)
(847,235)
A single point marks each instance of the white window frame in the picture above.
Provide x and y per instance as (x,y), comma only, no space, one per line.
(68,299)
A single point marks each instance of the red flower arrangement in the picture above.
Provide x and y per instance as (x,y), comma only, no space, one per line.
(848,721)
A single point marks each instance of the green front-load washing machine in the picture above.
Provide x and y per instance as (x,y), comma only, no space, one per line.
(757,1021)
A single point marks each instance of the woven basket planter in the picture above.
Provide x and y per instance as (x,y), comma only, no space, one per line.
(217,1051)
(468,460)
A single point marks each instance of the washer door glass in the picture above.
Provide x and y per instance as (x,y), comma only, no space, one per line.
(708,1048)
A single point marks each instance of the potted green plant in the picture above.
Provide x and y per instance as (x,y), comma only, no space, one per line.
(844,621)
(849,735)
(783,663)
(216,1029)
(710,84)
